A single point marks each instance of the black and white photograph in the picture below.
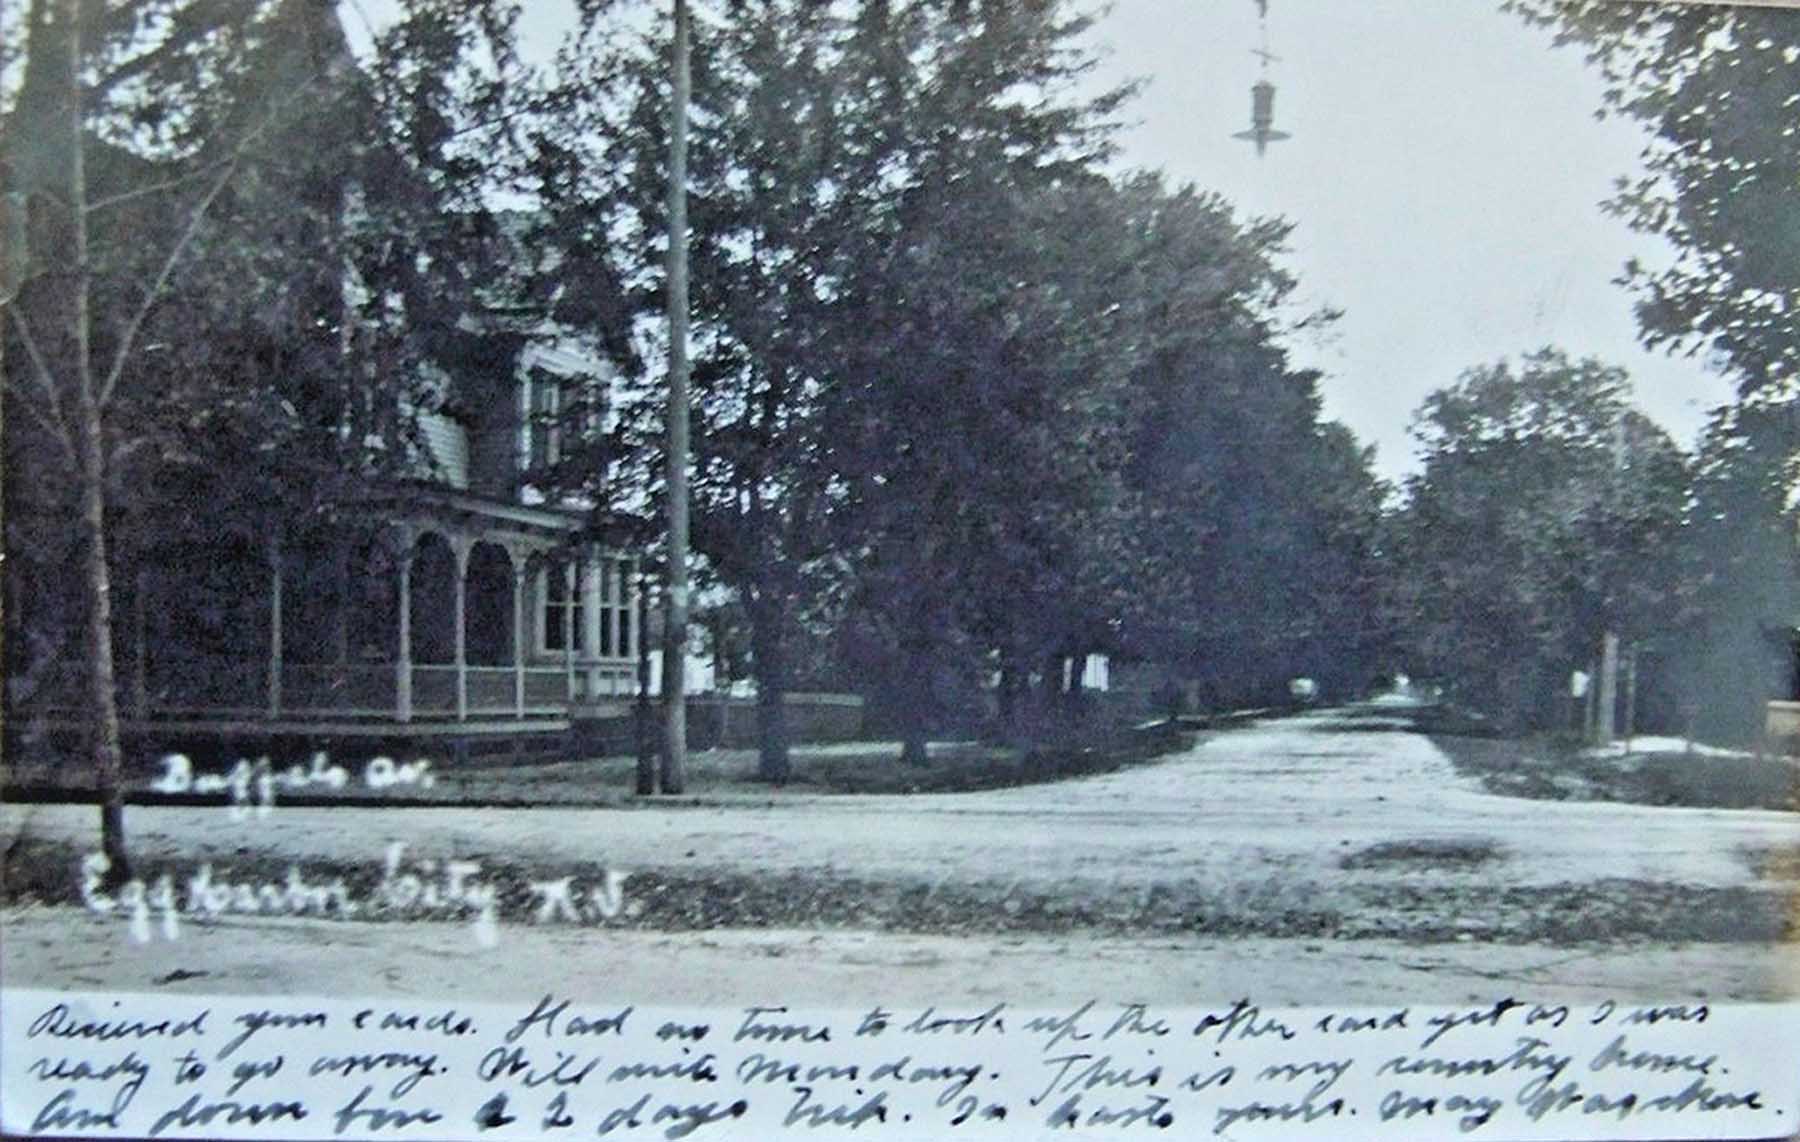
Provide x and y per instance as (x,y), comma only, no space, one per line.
(1041,527)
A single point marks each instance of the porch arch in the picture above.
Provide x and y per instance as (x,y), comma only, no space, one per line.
(433,600)
(489,602)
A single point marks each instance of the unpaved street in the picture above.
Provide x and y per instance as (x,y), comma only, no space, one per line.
(1337,826)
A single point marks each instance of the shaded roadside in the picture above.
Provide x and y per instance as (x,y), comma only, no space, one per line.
(714,776)
(1550,769)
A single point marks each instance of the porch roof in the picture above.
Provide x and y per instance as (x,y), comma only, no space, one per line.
(435,507)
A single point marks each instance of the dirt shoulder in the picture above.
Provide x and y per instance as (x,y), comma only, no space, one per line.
(1401,891)
(65,947)
(716,776)
(1553,770)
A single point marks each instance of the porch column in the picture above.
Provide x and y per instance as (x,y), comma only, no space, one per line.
(640,623)
(593,591)
(518,631)
(275,627)
(403,653)
(640,610)
(568,622)
(460,547)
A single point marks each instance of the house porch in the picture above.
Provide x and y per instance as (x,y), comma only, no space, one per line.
(426,614)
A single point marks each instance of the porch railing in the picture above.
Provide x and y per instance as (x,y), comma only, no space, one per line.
(237,687)
(364,689)
(610,680)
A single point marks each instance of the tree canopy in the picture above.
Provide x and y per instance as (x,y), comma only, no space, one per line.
(1548,511)
(1714,85)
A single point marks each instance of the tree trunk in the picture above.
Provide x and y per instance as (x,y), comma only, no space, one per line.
(912,740)
(102,694)
(103,697)
(915,711)
(1050,700)
(1074,698)
(1587,715)
(1006,693)
(766,634)
(1606,714)
(1631,679)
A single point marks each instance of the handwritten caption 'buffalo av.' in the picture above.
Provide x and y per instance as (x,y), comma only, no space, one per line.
(162,1067)
(251,787)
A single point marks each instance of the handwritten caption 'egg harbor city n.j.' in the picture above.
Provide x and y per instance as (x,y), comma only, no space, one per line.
(559,1067)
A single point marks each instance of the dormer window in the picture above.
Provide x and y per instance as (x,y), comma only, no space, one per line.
(561,391)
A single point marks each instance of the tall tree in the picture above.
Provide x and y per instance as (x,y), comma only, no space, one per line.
(829,142)
(1547,513)
(982,444)
(1254,518)
(763,233)
(78,349)
(970,326)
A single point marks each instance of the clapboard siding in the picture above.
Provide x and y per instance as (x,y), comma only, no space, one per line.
(448,443)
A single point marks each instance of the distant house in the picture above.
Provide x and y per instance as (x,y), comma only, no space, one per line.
(1781,725)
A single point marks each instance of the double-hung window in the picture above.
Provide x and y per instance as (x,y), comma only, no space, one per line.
(615,608)
(562,611)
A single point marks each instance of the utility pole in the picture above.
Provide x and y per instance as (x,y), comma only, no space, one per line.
(1593,694)
(675,602)
(1605,712)
(1631,675)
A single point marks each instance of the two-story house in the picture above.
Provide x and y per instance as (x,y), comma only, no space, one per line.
(452,605)
(456,599)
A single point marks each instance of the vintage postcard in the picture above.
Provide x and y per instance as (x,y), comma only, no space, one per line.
(912,568)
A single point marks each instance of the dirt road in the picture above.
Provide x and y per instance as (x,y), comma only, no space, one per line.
(1338,830)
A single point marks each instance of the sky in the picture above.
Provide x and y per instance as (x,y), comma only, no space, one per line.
(1445,177)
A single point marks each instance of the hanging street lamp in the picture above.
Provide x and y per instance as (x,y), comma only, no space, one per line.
(1262,130)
